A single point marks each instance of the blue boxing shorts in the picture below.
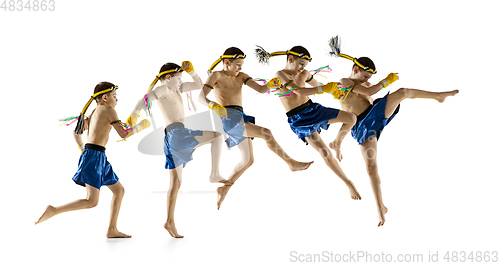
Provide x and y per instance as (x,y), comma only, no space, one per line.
(94,168)
(372,121)
(179,145)
(310,117)
(234,124)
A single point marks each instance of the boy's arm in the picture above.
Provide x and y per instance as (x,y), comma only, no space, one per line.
(191,86)
(117,124)
(273,83)
(153,95)
(371,90)
(301,91)
(78,138)
(207,88)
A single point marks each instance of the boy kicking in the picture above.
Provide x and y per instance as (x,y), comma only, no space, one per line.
(180,142)
(306,119)
(373,117)
(240,128)
(94,170)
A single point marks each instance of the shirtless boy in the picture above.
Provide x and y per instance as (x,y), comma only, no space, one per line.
(373,116)
(306,119)
(227,87)
(180,142)
(94,170)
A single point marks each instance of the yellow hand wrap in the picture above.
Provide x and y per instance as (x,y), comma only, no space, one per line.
(142,125)
(328,88)
(82,147)
(189,69)
(391,78)
(337,94)
(271,85)
(132,119)
(219,109)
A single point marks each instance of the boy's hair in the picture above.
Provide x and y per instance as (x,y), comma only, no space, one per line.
(300,50)
(233,51)
(367,62)
(102,86)
(230,54)
(169,66)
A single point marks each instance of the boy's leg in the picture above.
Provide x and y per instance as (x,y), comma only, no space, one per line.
(348,120)
(116,202)
(216,139)
(175,184)
(252,130)
(398,96)
(317,143)
(246,150)
(369,152)
(90,202)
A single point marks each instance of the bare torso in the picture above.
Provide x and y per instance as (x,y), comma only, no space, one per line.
(355,103)
(293,100)
(228,89)
(170,104)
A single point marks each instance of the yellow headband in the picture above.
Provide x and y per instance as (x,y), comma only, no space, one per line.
(175,70)
(95,95)
(334,44)
(304,56)
(358,63)
(236,56)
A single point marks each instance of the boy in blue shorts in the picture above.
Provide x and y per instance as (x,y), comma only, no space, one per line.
(94,170)
(240,127)
(180,142)
(306,118)
(373,116)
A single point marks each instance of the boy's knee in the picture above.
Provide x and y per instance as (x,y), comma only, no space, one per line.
(351,119)
(404,92)
(372,169)
(325,153)
(92,202)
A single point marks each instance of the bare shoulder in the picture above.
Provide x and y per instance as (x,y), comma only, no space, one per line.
(347,82)
(109,113)
(243,75)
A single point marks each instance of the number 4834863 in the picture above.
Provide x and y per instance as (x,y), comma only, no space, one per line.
(29,5)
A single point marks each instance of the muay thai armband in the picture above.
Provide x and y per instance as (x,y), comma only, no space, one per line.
(219,109)
(391,78)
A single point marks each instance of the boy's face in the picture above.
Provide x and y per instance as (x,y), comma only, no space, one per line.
(361,75)
(110,99)
(174,81)
(234,65)
(297,64)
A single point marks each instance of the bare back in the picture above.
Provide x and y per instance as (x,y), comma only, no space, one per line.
(293,100)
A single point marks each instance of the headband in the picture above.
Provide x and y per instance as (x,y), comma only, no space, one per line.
(235,56)
(264,56)
(174,70)
(334,44)
(80,125)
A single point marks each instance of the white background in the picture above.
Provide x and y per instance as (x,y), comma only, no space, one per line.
(438,162)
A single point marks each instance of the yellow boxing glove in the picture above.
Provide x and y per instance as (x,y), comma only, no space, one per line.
(132,119)
(328,88)
(82,147)
(271,85)
(219,109)
(391,78)
(337,94)
(142,125)
(188,67)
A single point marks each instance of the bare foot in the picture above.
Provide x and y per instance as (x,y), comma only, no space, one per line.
(353,191)
(217,178)
(172,230)
(381,215)
(114,233)
(443,95)
(49,212)
(221,194)
(336,147)
(299,166)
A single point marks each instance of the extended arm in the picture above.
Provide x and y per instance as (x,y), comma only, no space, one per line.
(371,90)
